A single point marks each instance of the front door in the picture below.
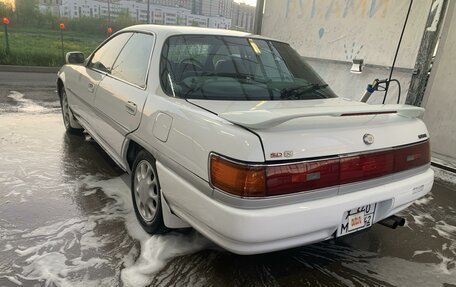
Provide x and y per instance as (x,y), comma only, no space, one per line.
(89,77)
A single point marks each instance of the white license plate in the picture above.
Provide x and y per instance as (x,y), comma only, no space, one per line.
(357,219)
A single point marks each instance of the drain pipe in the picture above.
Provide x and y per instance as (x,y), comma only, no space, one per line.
(258,17)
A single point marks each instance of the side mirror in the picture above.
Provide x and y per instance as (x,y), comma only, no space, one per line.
(74,58)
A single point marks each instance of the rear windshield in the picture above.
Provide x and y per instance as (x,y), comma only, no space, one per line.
(238,69)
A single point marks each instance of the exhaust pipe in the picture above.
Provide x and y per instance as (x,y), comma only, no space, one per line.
(393,221)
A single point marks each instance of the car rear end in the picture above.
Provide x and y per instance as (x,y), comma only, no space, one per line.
(323,176)
(331,166)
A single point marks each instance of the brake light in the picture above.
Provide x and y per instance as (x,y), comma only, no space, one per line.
(289,178)
(366,166)
(412,156)
(259,180)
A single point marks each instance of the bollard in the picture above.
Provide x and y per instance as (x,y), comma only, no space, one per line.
(62,27)
(5,24)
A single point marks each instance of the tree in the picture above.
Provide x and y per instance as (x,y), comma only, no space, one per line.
(123,20)
(27,12)
(5,10)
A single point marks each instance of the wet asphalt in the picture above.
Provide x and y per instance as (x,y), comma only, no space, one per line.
(66,220)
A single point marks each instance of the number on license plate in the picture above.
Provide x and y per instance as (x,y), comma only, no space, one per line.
(357,219)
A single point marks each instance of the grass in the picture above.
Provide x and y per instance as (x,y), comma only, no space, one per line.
(41,47)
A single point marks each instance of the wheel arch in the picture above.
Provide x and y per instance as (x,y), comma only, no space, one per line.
(132,150)
(59,87)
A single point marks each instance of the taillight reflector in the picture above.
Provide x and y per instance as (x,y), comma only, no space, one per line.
(267,180)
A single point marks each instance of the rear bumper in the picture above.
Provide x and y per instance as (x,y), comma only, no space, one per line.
(253,231)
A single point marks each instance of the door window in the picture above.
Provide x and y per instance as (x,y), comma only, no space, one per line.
(133,61)
(104,58)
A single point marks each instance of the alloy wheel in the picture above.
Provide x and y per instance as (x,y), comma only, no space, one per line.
(146,190)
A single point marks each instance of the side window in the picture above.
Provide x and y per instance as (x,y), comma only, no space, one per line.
(133,61)
(104,58)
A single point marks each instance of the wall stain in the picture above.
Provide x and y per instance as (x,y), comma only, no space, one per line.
(337,8)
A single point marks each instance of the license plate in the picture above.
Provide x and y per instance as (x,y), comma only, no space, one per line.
(357,219)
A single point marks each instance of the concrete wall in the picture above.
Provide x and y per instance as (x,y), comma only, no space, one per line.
(440,95)
(353,86)
(330,33)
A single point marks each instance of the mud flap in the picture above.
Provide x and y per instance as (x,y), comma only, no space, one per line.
(169,218)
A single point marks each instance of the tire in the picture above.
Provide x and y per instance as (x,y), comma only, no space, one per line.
(145,193)
(68,118)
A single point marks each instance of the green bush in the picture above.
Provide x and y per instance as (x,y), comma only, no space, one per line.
(34,37)
(33,58)
(38,47)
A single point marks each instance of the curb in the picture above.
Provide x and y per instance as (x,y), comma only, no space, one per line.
(444,167)
(28,69)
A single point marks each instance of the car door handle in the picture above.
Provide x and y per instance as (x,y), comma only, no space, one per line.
(91,87)
(131,107)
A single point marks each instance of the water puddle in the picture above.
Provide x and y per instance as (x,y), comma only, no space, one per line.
(62,253)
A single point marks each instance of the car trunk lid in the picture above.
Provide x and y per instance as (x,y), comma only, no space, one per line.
(318,128)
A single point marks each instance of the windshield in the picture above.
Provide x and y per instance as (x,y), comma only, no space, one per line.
(238,69)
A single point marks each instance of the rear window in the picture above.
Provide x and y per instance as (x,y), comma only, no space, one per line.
(238,69)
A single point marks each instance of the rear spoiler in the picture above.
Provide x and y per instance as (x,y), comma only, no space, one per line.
(262,119)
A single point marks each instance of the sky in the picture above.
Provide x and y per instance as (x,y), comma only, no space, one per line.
(7,2)
(250,2)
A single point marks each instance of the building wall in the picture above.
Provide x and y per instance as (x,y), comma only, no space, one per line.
(210,7)
(440,96)
(175,12)
(243,16)
(334,32)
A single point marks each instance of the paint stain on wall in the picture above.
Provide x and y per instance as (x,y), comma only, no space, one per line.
(337,8)
(321,32)
(351,51)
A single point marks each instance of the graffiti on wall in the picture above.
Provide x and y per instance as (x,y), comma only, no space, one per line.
(336,8)
(344,30)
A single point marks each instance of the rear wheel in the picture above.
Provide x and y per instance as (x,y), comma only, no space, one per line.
(68,118)
(145,192)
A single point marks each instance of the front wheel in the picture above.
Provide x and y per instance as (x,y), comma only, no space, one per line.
(68,119)
(145,192)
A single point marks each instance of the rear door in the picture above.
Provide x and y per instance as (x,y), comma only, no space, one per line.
(87,78)
(121,95)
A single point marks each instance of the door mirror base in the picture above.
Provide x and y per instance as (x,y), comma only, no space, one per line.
(74,58)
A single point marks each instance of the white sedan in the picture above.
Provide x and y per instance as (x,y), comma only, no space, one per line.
(236,136)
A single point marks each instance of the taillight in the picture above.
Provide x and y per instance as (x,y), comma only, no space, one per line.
(366,166)
(238,179)
(412,156)
(289,178)
(259,180)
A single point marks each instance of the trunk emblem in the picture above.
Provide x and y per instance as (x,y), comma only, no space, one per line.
(288,153)
(368,139)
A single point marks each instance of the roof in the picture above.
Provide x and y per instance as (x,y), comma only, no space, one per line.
(168,30)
